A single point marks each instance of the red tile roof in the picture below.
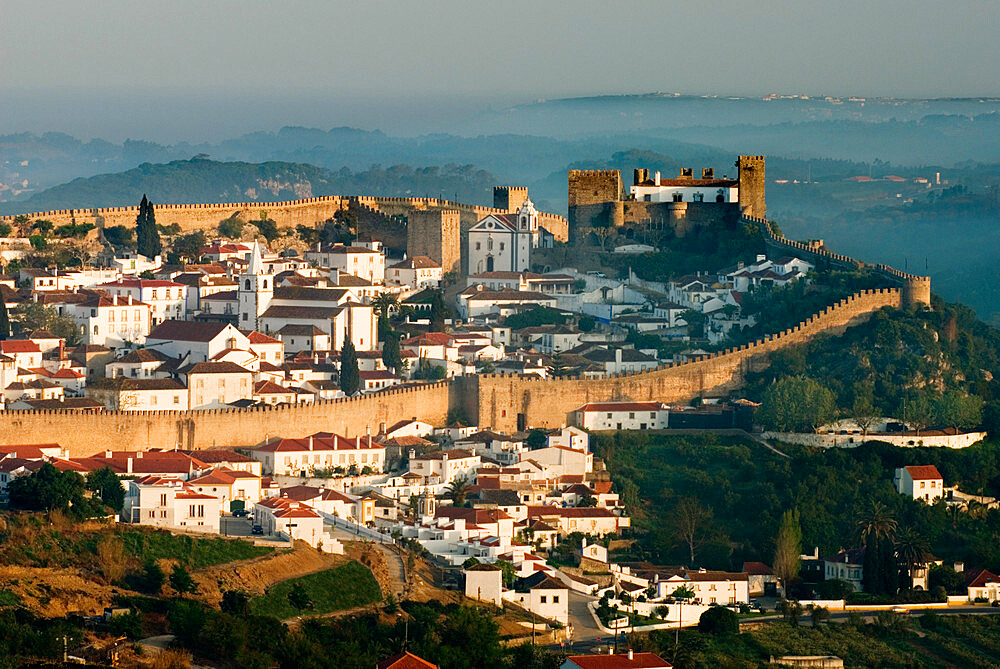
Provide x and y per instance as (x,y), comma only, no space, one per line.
(977,578)
(923,472)
(620,661)
(622,406)
(405,661)
(19,346)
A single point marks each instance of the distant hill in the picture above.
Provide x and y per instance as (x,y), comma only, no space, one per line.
(202,180)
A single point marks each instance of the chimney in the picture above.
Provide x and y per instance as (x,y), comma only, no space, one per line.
(959,567)
(128,469)
(310,442)
(656,178)
(630,654)
(138,454)
(62,349)
(130,299)
(107,454)
(618,355)
(413,453)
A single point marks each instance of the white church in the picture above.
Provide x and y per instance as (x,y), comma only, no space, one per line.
(503,242)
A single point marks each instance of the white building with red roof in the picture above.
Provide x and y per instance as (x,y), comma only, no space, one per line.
(26,353)
(162,501)
(296,520)
(323,450)
(197,341)
(503,242)
(235,489)
(418,272)
(167,299)
(220,251)
(622,416)
(920,482)
(592,521)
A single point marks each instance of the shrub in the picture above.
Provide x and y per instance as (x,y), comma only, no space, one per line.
(718,620)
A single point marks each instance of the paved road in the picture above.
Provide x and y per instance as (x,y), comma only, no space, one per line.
(584,627)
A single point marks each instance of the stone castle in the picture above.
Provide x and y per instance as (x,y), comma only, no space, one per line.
(598,198)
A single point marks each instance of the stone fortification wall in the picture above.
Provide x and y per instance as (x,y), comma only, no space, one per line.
(502,401)
(508,402)
(374,214)
(436,233)
(200,216)
(390,230)
(916,290)
(87,433)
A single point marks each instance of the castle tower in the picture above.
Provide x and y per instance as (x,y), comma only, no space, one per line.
(596,199)
(256,289)
(437,234)
(509,198)
(752,179)
(916,291)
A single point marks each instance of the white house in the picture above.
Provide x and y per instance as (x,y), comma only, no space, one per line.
(982,584)
(447,465)
(198,341)
(323,450)
(477,301)
(570,437)
(127,394)
(280,515)
(846,566)
(168,502)
(622,416)
(418,272)
(920,482)
(367,263)
(167,299)
(685,188)
(543,595)
(213,385)
(484,583)
(234,488)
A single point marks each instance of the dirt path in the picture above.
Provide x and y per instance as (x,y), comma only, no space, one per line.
(396,572)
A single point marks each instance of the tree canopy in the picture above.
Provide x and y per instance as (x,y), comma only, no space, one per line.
(796,404)
(147,236)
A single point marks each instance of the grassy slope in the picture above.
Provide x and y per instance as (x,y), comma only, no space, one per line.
(343,587)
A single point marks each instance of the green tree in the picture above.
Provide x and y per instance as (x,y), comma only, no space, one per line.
(910,551)
(235,602)
(536,439)
(5,230)
(299,598)
(106,484)
(796,404)
(153,578)
(790,610)
(267,228)
(119,235)
(231,228)
(37,316)
(438,312)
(385,303)
(48,489)
(788,547)
(719,621)
(877,528)
(181,581)
(696,323)
(4,319)
(819,614)
(38,242)
(391,354)
(189,246)
(958,410)
(350,376)
(147,237)
(863,411)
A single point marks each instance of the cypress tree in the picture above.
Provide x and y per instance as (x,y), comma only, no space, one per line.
(438,312)
(391,355)
(5,320)
(146,236)
(350,377)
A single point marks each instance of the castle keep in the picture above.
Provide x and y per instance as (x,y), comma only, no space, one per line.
(599,199)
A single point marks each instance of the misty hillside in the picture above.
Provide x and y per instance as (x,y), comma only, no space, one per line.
(202,180)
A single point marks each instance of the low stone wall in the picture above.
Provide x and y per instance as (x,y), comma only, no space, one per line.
(963,440)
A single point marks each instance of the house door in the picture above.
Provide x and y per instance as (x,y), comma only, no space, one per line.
(489,264)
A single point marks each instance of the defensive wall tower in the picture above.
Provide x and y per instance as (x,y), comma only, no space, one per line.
(917,291)
(509,198)
(437,234)
(753,181)
(596,200)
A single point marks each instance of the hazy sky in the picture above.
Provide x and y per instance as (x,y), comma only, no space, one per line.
(177,62)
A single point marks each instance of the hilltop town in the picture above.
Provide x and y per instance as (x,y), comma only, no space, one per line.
(449,400)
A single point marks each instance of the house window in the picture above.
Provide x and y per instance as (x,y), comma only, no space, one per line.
(163,500)
(555,599)
(542,599)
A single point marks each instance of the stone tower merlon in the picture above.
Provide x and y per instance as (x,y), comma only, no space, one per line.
(437,234)
(916,291)
(753,181)
(509,198)
(596,199)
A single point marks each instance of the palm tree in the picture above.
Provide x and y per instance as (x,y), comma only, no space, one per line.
(910,551)
(877,528)
(877,524)
(457,490)
(385,303)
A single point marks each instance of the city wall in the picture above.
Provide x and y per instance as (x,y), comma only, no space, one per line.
(508,402)
(505,402)
(308,211)
(87,433)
